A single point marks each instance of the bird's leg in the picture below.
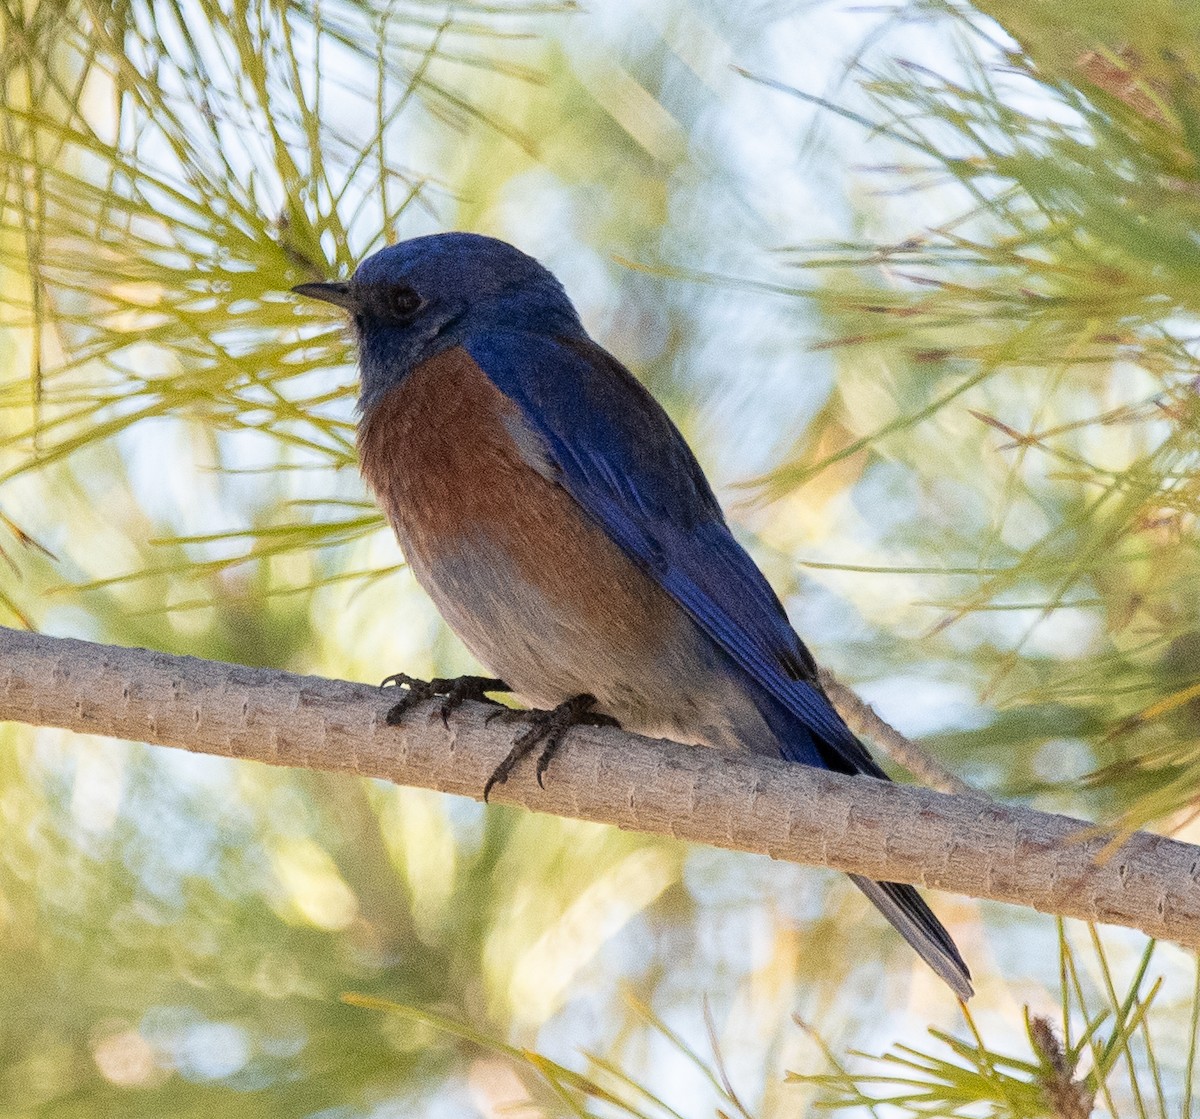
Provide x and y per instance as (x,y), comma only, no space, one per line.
(546,731)
(454,690)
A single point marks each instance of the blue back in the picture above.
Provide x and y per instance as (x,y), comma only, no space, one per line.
(625,462)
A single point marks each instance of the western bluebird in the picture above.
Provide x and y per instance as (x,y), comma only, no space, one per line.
(566,532)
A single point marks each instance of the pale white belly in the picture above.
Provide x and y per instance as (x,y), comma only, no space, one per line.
(671,683)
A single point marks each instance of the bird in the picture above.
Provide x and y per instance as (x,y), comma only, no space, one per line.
(566,532)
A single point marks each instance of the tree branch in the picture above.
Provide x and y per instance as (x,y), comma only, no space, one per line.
(890,832)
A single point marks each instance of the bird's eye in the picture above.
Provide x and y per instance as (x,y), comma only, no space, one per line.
(405,302)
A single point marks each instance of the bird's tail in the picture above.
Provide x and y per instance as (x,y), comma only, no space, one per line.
(914,920)
(901,905)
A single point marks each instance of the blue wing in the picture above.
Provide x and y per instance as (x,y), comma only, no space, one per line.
(620,456)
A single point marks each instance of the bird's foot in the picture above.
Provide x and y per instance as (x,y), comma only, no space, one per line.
(546,730)
(455,691)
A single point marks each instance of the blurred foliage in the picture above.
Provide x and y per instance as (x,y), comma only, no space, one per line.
(1099,1046)
(1093,1051)
(555,1089)
(967,383)
(1049,321)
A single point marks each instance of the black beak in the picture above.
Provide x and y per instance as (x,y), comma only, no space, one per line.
(337,294)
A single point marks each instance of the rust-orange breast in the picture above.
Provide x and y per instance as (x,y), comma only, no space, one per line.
(439,454)
(436,452)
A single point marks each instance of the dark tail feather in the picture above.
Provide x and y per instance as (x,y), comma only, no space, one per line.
(906,909)
(901,905)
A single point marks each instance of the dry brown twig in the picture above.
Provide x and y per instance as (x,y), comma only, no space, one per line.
(862,719)
(1068,1097)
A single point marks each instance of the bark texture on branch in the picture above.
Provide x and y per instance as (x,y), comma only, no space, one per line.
(898,833)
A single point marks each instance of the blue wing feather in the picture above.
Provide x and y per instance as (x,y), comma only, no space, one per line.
(624,461)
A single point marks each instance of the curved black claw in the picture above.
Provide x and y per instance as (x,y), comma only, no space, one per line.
(454,690)
(546,731)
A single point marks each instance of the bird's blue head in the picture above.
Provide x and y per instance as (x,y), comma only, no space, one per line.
(413,300)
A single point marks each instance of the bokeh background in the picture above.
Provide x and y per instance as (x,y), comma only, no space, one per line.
(919,281)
